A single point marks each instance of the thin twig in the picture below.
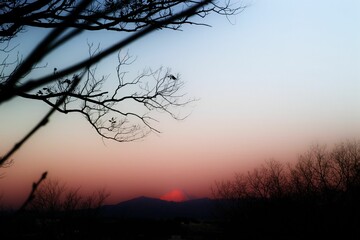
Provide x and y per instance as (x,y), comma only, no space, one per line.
(32,84)
(41,123)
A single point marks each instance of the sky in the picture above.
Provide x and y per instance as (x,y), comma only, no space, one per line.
(270,82)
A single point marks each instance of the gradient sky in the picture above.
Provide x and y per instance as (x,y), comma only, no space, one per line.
(273,80)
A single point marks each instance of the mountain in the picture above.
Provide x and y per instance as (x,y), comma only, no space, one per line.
(153,208)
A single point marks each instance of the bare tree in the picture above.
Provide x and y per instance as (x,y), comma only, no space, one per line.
(346,161)
(76,89)
(72,200)
(49,196)
(54,196)
(320,193)
(157,90)
(114,15)
(317,172)
(277,178)
(268,181)
(68,18)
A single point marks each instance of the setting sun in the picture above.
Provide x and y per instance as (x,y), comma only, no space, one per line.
(175,195)
(179,119)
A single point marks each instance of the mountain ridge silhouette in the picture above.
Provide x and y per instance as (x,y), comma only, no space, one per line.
(153,208)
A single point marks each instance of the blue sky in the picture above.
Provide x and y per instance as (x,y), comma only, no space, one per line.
(273,80)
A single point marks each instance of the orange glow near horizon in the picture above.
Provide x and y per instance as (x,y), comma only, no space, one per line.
(286,78)
(175,195)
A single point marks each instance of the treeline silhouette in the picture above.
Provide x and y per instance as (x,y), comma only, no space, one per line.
(60,212)
(55,212)
(318,195)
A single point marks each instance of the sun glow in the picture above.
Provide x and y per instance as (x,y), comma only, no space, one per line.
(175,195)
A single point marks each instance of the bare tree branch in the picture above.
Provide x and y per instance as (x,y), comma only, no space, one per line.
(114,15)
(98,106)
(41,123)
(32,195)
(9,90)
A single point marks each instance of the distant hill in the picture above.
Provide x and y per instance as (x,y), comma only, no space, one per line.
(152,208)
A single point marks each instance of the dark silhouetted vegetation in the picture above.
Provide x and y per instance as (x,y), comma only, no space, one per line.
(55,212)
(76,88)
(319,195)
(316,196)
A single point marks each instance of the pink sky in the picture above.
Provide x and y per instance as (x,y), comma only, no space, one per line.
(283,77)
